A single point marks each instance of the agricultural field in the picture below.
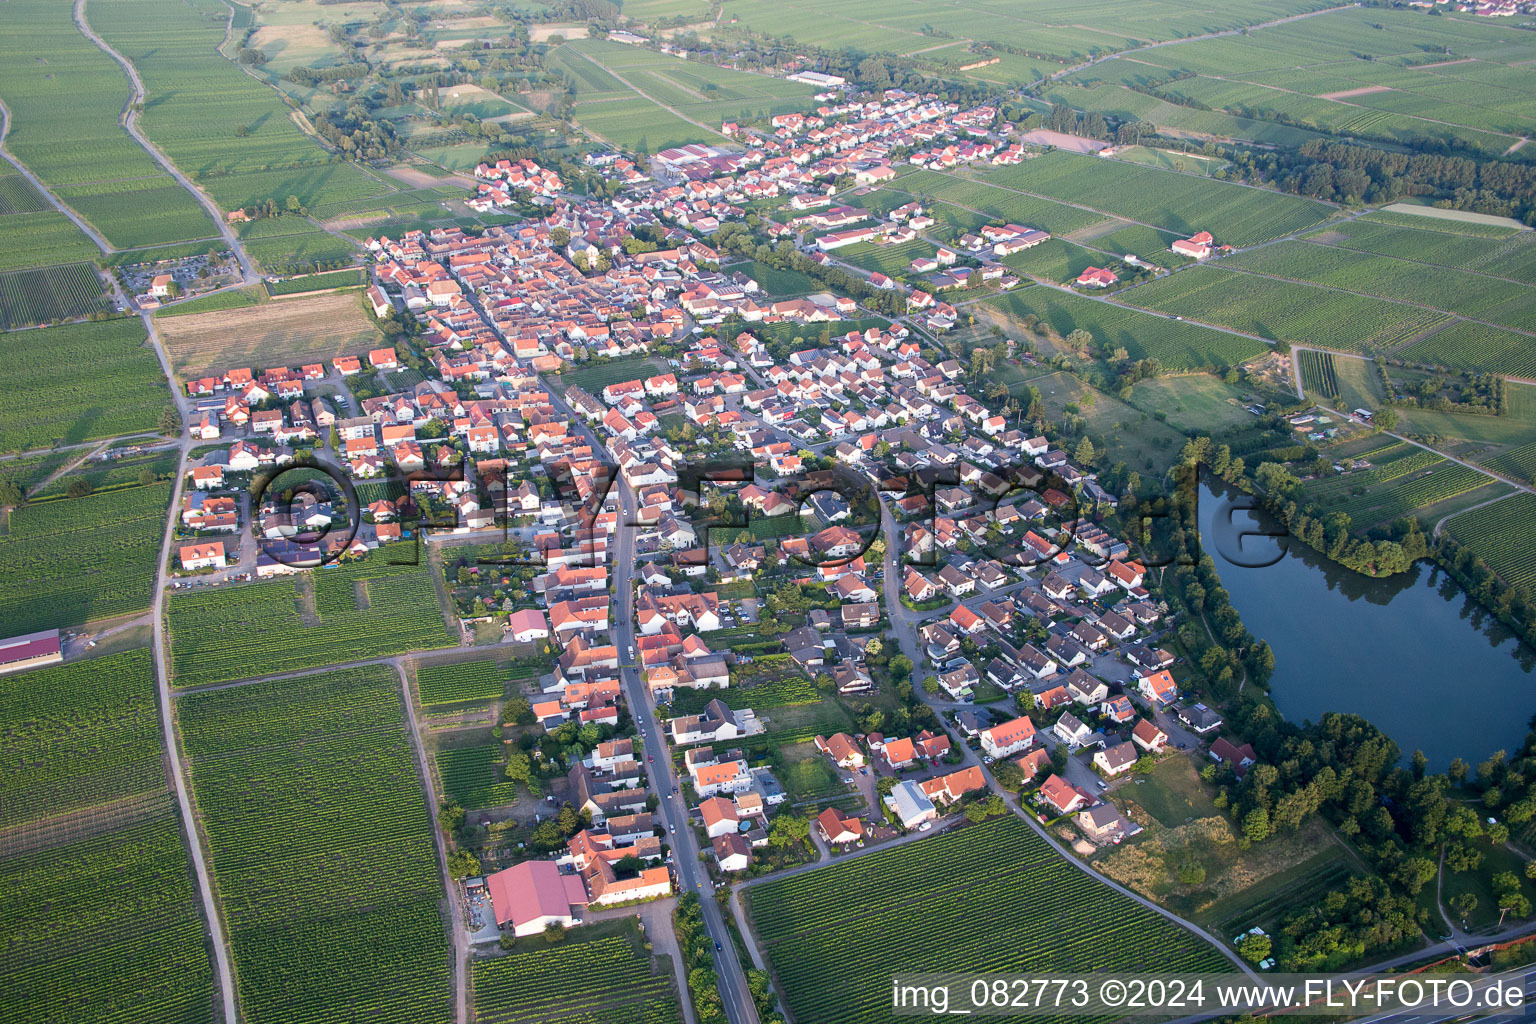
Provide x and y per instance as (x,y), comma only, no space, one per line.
(1001,897)
(1286,310)
(77,382)
(18,195)
(98,888)
(67,562)
(994,203)
(47,294)
(337,613)
(778,283)
(1392,77)
(1319,375)
(321,844)
(1115,100)
(65,127)
(1509,254)
(316,282)
(1479,296)
(1402,479)
(298,330)
(1176,345)
(473,777)
(1467,345)
(1503,535)
(601,972)
(198,102)
(890,260)
(1183,203)
(42,239)
(791,690)
(462,682)
(1057,260)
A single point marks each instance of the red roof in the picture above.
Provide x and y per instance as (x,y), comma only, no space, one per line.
(28,646)
(533,889)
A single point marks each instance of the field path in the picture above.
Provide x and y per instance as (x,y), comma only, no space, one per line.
(636,89)
(5,127)
(130,119)
(73,463)
(1440,526)
(189,820)
(460,934)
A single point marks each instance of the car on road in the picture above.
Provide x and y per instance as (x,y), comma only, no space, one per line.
(718,946)
(925,826)
(672,829)
(651,758)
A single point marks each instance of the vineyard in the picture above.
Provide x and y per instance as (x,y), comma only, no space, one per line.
(97,885)
(608,980)
(472,777)
(321,844)
(263,628)
(196,99)
(66,562)
(461,682)
(1481,296)
(78,382)
(1503,535)
(999,897)
(1177,202)
(1519,462)
(1466,345)
(47,294)
(1286,310)
(316,282)
(1402,478)
(1317,373)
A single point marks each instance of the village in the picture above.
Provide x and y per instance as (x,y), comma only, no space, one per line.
(918,562)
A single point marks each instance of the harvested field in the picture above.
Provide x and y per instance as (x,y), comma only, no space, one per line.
(272,334)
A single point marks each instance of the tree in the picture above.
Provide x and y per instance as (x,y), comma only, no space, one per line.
(554,932)
(1255,948)
(900,668)
(11,494)
(78,487)
(1506,890)
(462,864)
(450,818)
(1463,904)
(1085,452)
(517,711)
(1256,825)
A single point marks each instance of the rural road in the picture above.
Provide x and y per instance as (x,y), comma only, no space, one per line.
(130,122)
(189,821)
(5,128)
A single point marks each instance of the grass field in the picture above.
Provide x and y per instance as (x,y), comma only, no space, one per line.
(778,283)
(1193,403)
(1002,899)
(96,883)
(593,377)
(1135,435)
(67,562)
(1176,345)
(306,329)
(47,294)
(601,972)
(233,298)
(287,624)
(307,787)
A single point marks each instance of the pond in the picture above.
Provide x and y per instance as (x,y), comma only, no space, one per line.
(1414,654)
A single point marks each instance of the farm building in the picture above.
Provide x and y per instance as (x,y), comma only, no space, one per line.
(30,650)
(533,894)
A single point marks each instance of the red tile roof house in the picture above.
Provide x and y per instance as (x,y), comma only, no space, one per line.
(1097,277)
(527,625)
(1063,797)
(841,749)
(1008,738)
(837,830)
(533,894)
(1224,751)
(209,555)
(1149,737)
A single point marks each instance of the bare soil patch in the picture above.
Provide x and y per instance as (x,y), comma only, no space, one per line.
(1364,90)
(310,329)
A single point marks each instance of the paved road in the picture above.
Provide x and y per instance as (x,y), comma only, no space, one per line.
(690,873)
(167,713)
(130,118)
